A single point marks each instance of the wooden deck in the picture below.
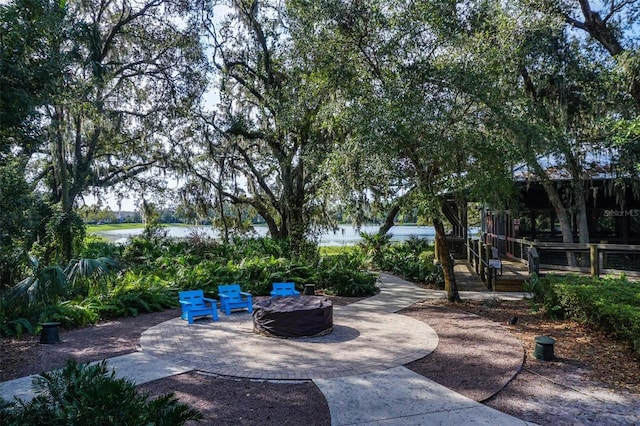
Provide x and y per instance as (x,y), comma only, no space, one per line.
(466,277)
(514,274)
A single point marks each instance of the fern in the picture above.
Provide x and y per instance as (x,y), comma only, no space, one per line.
(82,394)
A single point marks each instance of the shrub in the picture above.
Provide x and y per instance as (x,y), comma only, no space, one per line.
(149,246)
(350,283)
(254,274)
(257,274)
(95,246)
(411,259)
(84,394)
(92,276)
(343,275)
(609,304)
(205,275)
(144,292)
(374,246)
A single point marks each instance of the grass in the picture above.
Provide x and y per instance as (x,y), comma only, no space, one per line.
(113,227)
(335,250)
(124,226)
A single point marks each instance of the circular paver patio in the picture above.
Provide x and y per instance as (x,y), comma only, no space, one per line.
(361,342)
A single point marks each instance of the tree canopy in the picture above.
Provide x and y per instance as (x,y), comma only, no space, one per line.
(294,110)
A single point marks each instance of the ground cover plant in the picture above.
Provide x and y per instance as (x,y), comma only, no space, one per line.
(83,394)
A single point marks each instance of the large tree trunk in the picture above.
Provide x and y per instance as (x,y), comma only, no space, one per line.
(581,211)
(296,229)
(442,254)
(563,218)
(274,231)
(391,216)
(561,212)
(389,220)
(293,223)
(579,195)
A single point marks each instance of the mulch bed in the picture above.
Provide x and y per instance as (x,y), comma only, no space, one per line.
(474,357)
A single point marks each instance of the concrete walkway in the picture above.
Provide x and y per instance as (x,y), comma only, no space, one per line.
(358,367)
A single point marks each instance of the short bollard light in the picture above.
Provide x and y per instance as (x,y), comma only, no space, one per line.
(50,333)
(544,348)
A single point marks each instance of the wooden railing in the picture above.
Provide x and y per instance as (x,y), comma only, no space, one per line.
(478,255)
(593,259)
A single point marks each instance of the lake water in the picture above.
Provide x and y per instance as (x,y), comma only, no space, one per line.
(344,235)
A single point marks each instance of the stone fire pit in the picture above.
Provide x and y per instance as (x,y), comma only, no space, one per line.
(293,316)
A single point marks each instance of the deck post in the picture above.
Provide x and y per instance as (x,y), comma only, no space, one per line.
(476,263)
(481,261)
(469,251)
(594,260)
(435,251)
(491,271)
(602,257)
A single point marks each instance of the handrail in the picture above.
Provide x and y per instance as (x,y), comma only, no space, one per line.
(566,246)
(475,254)
(600,257)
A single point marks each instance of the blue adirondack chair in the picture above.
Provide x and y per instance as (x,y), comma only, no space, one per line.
(284,289)
(231,297)
(194,304)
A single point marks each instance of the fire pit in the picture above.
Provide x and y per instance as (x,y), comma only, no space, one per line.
(293,316)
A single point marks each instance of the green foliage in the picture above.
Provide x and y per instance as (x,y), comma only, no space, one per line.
(342,275)
(84,394)
(59,234)
(137,292)
(257,274)
(204,275)
(133,293)
(254,274)
(538,289)
(94,247)
(612,305)
(142,250)
(342,282)
(45,286)
(15,204)
(375,245)
(412,259)
(333,250)
(15,327)
(98,293)
(92,276)
(30,66)
(243,248)
(256,263)
(43,295)
(70,313)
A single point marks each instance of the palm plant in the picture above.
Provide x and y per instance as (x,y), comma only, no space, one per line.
(44,286)
(373,245)
(94,273)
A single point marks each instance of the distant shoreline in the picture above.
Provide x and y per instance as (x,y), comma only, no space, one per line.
(344,235)
(92,229)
